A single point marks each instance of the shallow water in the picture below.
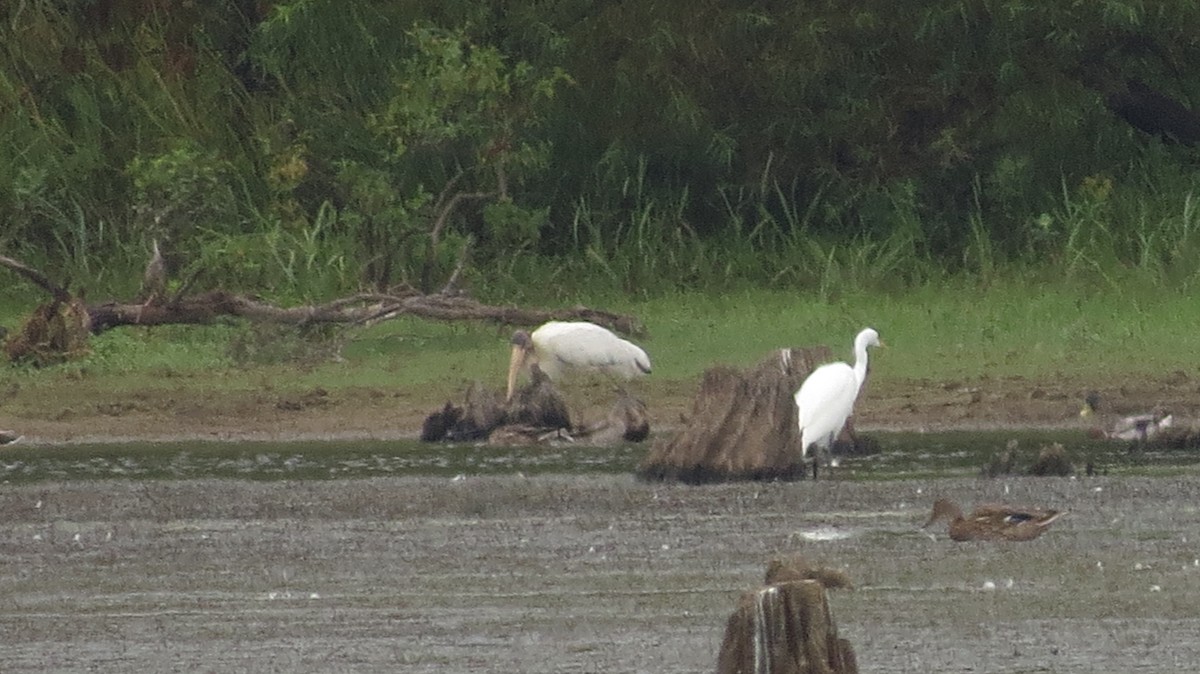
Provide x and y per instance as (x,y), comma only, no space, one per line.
(901,455)
(595,573)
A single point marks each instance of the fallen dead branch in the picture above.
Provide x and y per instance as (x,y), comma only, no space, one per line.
(44,334)
(360,309)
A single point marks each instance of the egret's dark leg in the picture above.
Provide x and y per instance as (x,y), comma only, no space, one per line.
(848,431)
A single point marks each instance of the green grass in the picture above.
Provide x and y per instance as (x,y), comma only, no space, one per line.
(944,332)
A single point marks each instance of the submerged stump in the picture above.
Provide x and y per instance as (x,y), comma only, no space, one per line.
(743,424)
(482,412)
(537,414)
(1052,460)
(785,627)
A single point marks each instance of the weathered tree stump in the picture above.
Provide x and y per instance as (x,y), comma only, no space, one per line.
(482,412)
(743,424)
(538,404)
(785,627)
(1052,461)
(55,332)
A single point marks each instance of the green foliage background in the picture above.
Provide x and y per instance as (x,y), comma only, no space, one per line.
(307,147)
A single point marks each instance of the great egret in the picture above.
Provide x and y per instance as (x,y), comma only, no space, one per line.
(992,522)
(826,398)
(1136,427)
(560,347)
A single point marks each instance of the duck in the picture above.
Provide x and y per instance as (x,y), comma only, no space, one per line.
(992,522)
(1136,427)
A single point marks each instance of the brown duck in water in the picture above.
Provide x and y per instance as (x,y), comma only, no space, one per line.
(992,522)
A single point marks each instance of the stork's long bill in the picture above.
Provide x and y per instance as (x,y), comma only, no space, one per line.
(514,367)
(522,350)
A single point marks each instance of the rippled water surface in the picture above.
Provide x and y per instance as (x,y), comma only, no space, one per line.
(901,455)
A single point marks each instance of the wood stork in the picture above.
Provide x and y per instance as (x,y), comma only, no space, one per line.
(826,398)
(561,347)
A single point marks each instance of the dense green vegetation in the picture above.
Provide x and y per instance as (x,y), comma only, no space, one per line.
(305,148)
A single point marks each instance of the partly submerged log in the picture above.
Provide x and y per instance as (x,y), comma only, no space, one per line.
(483,412)
(743,424)
(787,627)
(537,414)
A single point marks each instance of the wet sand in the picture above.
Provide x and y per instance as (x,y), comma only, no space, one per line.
(580,574)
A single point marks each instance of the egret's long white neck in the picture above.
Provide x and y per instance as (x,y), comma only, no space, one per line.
(860,360)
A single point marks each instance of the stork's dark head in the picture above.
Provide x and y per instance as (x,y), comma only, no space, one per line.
(522,353)
(522,339)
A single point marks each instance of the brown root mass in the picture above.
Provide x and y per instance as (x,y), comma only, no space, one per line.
(743,424)
(55,332)
(1052,461)
(536,414)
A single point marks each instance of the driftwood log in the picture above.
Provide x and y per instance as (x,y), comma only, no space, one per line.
(785,627)
(743,424)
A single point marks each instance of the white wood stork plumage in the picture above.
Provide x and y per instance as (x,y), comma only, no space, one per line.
(561,347)
(826,398)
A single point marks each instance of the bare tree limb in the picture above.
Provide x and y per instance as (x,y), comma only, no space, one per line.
(439,223)
(443,216)
(446,190)
(450,308)
(452,282)
(58,292)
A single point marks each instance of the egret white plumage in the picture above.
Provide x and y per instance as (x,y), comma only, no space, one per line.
(826,398)
(561,347)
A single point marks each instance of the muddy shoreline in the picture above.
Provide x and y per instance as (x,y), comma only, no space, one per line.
(367,413)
